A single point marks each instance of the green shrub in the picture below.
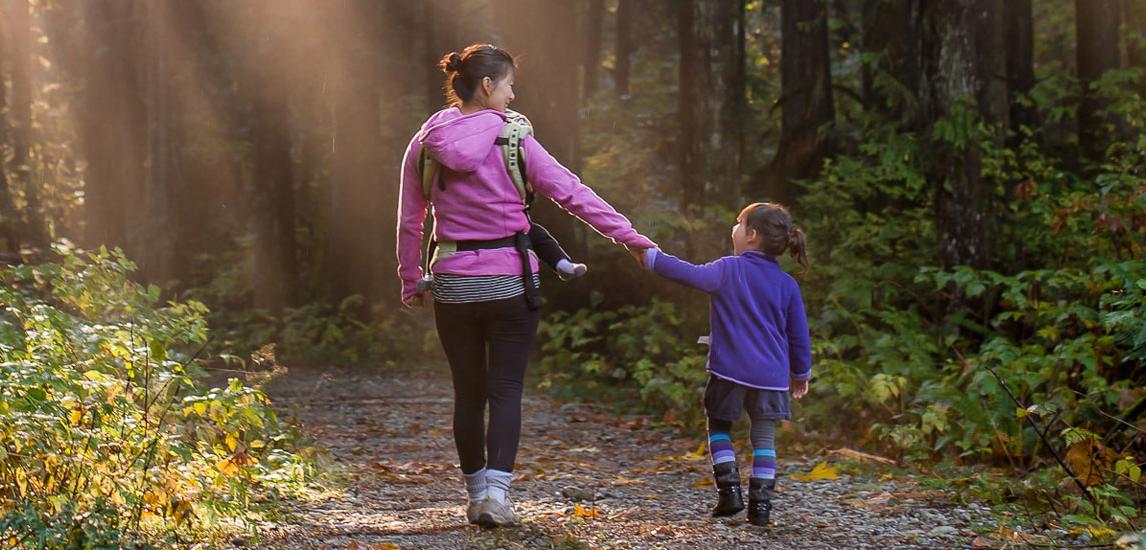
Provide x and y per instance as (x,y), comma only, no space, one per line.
(109,437)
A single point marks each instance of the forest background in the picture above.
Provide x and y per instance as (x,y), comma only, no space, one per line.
(969,173)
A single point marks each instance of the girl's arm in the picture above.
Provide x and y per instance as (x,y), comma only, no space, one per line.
(553,180)
(412,206)
(799,342)
(707,277)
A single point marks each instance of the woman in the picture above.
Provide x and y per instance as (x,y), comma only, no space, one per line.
(484,302)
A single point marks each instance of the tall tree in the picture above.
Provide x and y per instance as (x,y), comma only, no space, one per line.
(624,29)
(20,166)
(442,36)
(362,190)
(1020,37)
(112,124)
(1096,23)
(9,216)
(711,105)
(1135,16)
(594,21)
(157,254)
(893,31)
(964,57)
(273,194)
(805,99)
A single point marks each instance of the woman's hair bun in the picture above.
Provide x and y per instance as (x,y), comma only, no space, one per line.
(451,62)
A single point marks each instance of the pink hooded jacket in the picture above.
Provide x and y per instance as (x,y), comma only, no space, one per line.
(480,201)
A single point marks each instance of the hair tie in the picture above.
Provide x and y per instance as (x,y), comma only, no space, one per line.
(454,63)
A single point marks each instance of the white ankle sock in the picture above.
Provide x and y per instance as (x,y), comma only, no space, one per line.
(498,485)
(476,485)
(565,266)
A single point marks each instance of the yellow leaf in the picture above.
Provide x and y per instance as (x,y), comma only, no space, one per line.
(76,416)
(699,454)
(232,442)
(200,407)
(1088,459)
(822,471)
(387,546)
(227,466)
(580,511)
(703,482)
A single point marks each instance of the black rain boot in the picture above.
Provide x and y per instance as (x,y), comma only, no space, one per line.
(730,501)
(760,493)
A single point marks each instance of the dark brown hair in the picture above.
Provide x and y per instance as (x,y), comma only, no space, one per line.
(465,71)
(773,223)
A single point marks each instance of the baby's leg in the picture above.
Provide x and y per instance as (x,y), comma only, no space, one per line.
(550,252)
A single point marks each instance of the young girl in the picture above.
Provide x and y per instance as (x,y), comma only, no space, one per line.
(759,343)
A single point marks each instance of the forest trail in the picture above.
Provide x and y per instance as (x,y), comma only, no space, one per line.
(586,478)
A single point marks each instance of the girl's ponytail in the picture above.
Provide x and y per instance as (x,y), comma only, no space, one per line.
(798,246)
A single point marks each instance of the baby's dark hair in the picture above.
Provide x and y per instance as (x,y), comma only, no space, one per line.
(465,71)
(773,223)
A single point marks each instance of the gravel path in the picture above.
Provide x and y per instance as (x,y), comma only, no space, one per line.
(585,479)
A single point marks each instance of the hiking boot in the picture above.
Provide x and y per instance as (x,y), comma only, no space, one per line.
(729,500)
(473,510)
(494,513)
(760,493)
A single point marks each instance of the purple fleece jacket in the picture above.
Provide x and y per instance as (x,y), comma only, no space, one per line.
(480,201)
(759,328)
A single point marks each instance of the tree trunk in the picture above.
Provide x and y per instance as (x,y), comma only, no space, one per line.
(273,200)
(894,31)
(594,21)
(35,232)
(358,173)
(157,257)
(9,216)
(1096,25)
(441,37)
(1020,37)
(624,46)
(711,110)
(805,100)
(111,125)
(964,52)
(1135,15)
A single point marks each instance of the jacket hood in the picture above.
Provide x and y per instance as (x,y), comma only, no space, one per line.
(461,142)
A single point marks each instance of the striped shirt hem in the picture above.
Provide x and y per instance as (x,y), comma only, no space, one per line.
(463,289)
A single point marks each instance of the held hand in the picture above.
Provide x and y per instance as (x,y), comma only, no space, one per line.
(638,254)
(799,388)
(417,300)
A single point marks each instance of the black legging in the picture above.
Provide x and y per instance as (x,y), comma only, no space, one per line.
(487,345)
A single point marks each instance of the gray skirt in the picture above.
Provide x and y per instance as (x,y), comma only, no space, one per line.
(724,400)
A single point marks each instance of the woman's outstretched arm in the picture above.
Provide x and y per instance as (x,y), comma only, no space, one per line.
(553,180)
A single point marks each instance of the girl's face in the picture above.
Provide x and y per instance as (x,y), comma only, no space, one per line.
(497,94)
(744,238)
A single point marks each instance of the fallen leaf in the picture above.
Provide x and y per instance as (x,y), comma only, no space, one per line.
(861,456)
(580,511)
(822,471)
(1088,459)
